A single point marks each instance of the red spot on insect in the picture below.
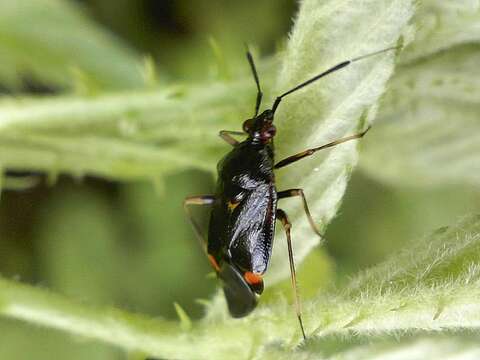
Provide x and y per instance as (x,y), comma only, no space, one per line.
(252,278)
(268,132)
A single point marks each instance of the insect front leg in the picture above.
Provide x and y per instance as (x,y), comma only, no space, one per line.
(226,135)
(282,216)
(299,192)
(291,159)
(197,200)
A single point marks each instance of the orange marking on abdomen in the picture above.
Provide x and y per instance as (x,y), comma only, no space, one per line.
(232,205)
(252,278)
(214,263)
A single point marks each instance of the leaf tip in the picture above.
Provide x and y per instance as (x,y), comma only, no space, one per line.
(185,321)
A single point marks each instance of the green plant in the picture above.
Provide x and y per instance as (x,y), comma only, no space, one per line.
(127,128)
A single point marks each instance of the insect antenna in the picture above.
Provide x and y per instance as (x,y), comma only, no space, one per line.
(257,81)
(329,71)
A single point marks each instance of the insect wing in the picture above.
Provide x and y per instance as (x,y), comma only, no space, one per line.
(252,230)
(241,300)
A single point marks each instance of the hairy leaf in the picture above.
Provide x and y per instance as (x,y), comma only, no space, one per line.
(337,106)
(119,136)
(428,129)
(432,286)
(136,135)
(443,24)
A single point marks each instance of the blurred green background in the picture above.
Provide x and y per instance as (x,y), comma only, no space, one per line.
(129,245)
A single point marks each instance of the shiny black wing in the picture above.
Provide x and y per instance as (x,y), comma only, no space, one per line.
(242,232)
(241,299)
(252,227)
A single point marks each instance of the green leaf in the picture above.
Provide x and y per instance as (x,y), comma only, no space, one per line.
(136,134)
(337,106)
(441,25)
(417,346)
(125,135)
(121,136)
(427,124)
(376,219)
(427,134)
(446,259)
(50,39)
(432,286)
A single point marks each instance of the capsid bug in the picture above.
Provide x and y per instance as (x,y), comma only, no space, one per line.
(244,206)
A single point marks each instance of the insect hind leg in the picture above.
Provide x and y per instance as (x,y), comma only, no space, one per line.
(197,200)
(299,192)
(282,216)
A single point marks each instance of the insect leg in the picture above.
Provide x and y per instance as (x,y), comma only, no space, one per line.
(257,81)
(282,216)
(296,157)
(197,200)
(299,192)
(227,136)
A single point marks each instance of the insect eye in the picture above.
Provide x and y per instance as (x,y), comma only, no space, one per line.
(247,125)
(269,133)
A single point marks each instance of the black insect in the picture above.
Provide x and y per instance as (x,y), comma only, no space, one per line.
(244,207)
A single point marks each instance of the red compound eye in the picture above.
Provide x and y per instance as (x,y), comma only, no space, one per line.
(269,133)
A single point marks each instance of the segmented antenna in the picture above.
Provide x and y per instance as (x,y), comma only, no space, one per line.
(329,71)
